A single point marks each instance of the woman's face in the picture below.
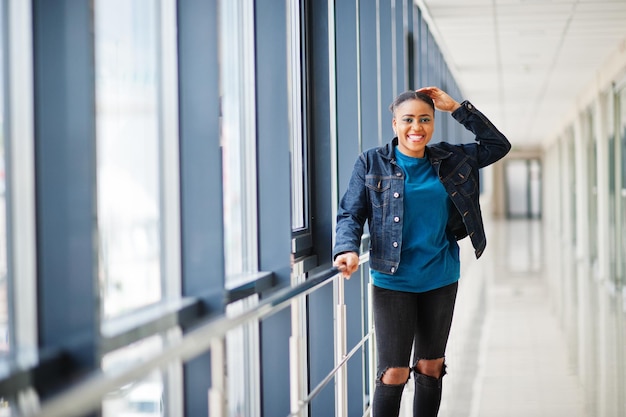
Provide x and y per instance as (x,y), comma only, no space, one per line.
(414,124)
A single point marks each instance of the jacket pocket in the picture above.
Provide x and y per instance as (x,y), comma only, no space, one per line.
(464,180)
(378,189)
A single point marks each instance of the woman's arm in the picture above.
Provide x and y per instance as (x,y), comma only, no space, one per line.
(351,217)
(493,145)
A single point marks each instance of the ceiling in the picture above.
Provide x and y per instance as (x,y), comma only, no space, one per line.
(524,63)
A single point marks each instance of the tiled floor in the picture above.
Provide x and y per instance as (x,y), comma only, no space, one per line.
(507,355)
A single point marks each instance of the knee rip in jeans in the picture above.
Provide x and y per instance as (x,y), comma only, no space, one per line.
(395,376)
(430,371)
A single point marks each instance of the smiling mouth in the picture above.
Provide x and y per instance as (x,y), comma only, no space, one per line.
(415,138)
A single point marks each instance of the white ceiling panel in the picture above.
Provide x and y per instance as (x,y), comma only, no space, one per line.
(525,62)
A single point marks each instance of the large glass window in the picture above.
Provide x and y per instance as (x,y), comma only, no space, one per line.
(523,185)
(18,290)
(621,183)
(571,161)
(302,241)
(4,300)
(612,156)
(591,152)
(127,121)
(299,200)
(238,137)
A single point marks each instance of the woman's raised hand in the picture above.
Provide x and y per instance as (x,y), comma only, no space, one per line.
(441,99)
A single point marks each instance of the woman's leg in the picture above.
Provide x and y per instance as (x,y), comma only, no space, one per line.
(394,322)
(434,319)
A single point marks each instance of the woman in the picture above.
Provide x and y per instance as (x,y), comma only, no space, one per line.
(418,201)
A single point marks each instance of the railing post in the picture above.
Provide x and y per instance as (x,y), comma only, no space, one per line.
(297,348)
(373,347)
(217,392)
(341,378)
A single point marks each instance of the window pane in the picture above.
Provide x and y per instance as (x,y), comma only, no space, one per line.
(238,137)
(622,203)
(571,161)
(535,188)
(592,191)
(298,144)
(127,110)
(4,306)
(517,187)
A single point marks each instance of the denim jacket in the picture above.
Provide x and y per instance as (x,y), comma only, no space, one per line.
(376,192)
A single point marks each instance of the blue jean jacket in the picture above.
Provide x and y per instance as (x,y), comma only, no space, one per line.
(376,191)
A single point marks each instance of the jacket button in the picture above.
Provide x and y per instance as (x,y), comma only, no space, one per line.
(396,219)
(396,195)
(393,269)
(395,244)
(398,174)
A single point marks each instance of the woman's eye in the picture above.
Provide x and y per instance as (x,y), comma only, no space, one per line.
(408,120)
(425,120)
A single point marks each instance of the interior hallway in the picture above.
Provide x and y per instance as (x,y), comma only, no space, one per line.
(507,355)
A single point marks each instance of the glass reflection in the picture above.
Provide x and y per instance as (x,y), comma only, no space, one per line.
(127,119)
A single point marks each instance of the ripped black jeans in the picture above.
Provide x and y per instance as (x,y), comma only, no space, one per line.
(405,321)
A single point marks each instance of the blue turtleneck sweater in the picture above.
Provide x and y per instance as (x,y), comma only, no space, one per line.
(429,258)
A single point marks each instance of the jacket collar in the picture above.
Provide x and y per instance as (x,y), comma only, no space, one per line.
(388,151)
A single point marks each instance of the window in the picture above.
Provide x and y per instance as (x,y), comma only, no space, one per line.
(238,137)
(4,288)
(238,140)
(523,187)
(137,182)
(591,151)
(18,320)
(302,241)
(570,160)
(621,181)
(128,140)
(613,154)
(299,174)
(18,303)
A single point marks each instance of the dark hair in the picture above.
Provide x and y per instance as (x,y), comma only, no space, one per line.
(411,95)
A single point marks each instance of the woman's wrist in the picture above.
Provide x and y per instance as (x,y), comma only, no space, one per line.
(455,106)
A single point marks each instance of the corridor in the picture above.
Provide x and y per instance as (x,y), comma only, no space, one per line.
(507,354)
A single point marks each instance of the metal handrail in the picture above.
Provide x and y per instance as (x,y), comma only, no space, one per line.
(85,396)
(315,391)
